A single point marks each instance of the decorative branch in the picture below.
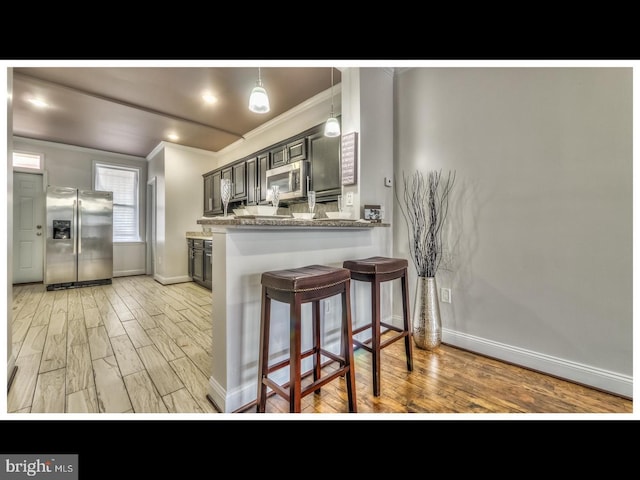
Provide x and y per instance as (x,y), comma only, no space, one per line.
(426,205)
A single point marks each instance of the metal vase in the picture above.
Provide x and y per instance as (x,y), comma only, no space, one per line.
(427,326)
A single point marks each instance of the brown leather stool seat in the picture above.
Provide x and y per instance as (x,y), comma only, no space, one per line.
(377,270)
(297,286)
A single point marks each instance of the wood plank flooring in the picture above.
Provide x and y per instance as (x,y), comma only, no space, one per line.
(133,346)
(138,346)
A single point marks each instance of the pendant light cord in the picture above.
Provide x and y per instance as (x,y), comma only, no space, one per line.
(332,91)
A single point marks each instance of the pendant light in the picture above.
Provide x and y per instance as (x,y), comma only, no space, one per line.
(332,127)
(259,101)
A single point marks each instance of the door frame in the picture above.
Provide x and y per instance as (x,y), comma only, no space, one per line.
(151,227)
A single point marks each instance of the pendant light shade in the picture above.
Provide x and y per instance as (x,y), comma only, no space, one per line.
(259,101)
(332,127)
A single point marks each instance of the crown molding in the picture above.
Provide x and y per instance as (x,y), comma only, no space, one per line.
(76,148)
(312,102)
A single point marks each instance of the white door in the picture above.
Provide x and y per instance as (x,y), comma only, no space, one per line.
(28,227)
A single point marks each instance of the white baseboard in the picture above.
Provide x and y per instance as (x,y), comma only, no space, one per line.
(607,381)
(171,280)
(129,273)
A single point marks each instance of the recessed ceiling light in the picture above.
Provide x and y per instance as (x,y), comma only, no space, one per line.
(173,136)
(38,102)
(209,98)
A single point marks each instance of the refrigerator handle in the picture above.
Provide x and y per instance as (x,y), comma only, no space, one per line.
(75,218)
(79,235)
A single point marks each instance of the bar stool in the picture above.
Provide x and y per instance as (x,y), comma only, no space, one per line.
(377,270)
(295,287)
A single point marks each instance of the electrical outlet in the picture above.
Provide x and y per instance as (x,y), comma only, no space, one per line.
(445,295)
(349,199)
(387,181)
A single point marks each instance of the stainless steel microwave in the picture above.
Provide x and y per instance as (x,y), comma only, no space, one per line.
(291,180)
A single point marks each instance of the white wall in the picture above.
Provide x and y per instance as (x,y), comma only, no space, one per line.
(70,166)
(156,170)
(183,206)
(9,203)
(541,226)
(376,142)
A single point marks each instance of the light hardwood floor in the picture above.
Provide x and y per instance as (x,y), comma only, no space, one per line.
(139,346)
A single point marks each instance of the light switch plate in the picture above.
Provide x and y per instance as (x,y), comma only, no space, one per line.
(387,181)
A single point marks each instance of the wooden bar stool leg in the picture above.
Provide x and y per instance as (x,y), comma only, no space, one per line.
(347,351)
(317,359)
(408,344)
(375,336)
(265,320)
(295,372)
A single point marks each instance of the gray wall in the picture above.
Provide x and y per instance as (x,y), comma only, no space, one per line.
(540,233)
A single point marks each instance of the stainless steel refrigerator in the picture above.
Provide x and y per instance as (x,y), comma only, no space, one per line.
(79,244)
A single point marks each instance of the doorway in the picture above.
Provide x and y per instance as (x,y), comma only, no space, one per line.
(28,227)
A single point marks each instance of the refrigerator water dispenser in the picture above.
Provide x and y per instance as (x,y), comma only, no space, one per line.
(61,229)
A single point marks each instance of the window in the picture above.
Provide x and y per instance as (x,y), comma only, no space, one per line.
(30,162)
(123,182)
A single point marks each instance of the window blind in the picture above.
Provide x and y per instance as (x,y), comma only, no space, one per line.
(123,182)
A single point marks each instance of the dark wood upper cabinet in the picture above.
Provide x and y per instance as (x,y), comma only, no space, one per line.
(239,182)
(249,176)
(324,156)
(289,152)
(208,194)
(253,184)
(257,179)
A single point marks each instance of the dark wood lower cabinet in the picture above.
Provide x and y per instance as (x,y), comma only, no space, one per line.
(200,265)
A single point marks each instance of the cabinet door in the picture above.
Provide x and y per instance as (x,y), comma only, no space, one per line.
(239,182)
(217,201)
(190,257)
(253,184)
(324,153)
(263,166)
(208,264)
(278,156)
(297,150)
(198,264)
(289,152)
(208,194)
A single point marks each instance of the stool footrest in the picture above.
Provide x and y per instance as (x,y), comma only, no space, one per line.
(389,341)
(284,391)
(382,324)
(325,353)
(283,363)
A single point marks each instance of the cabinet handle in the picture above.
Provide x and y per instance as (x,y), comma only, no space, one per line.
(308,183)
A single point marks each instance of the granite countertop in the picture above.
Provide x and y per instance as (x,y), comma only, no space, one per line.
(282,221)
(203,235)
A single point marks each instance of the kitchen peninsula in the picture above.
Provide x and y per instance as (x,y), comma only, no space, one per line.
(244,248)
